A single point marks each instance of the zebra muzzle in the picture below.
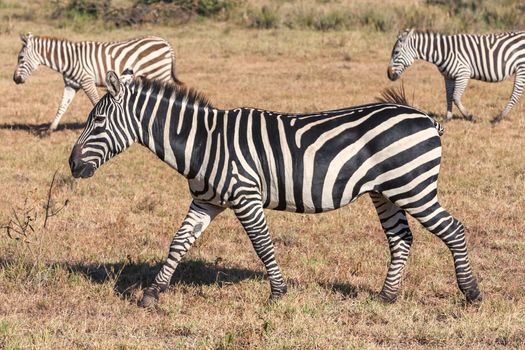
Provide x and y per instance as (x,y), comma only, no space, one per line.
(391,74)
(18,79)
(80,168)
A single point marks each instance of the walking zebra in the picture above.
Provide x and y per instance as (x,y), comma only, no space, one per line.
(85,64)
(248,159)
(490,57)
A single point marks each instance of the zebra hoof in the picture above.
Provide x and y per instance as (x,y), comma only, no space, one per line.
(496,120)
(150,298)
(471,118)
(473,296)
(387,298)
(277,293)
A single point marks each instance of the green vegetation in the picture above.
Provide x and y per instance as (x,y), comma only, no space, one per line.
(441,15)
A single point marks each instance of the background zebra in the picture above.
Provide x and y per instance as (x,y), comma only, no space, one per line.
(248,159)
(490,57)
(85,64)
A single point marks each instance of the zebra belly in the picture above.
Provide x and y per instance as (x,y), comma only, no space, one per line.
(490,79)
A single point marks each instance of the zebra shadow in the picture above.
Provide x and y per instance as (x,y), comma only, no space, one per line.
(41,130)
(442,118)
(127,277)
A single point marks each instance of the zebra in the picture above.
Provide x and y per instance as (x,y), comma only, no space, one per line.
(459,58)
(84,65)
(248,159)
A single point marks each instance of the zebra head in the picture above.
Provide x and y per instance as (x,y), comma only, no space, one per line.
(403,54)
(110,128)
(28,59)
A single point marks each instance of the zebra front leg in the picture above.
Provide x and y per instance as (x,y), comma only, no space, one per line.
(517,90)
(198,218)
(251,216)
(459,88)
(67,98)
(90,89)
(449,88)
(395,224)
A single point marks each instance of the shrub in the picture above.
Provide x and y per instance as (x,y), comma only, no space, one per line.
(89,8)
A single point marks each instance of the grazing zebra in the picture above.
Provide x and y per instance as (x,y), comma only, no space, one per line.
(249,159)
(85,64)
(490,57)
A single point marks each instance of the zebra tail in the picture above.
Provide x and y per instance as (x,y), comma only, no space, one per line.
(398,96)
(440,129)
(173,75)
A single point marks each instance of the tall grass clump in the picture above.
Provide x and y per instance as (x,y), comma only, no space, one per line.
(266,17)
(484,15)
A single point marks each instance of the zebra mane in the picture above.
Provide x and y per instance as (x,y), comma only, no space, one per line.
(50,38)
(393,95)
(192,95)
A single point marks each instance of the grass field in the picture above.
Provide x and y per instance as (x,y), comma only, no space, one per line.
(75,283)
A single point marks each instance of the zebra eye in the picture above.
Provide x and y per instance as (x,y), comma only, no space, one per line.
(99,118)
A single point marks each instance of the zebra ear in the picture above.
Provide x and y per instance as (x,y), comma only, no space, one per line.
(23,37)
(112,83)
(404,34)
(127,76)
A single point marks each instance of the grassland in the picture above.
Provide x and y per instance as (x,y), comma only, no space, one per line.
(74,284)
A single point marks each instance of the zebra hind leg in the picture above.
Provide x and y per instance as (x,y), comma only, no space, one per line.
(449,88)
(517,90)
(438,221)
(394,222)
(459,89)
(198,218)
(251,216)
(67,98)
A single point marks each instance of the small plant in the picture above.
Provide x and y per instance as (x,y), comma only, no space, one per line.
(21,225)
(22,222)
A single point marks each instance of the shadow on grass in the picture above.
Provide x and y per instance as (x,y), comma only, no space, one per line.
(443,117)
(344,289)
(128,276)
(41,129)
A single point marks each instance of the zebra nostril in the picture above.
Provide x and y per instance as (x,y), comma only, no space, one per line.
(73,164)
(390,73)
(74,158)
(17,79)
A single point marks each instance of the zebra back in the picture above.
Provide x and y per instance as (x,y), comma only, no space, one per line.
(398,96)
(149,56)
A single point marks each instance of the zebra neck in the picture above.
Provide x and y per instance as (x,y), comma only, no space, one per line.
(56,54)
(176,131)
(429,46)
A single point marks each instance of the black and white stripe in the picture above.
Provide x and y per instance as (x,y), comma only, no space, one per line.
(84,64)
(459,58)
(249,159)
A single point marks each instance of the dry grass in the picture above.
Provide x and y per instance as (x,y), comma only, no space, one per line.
(74,285)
